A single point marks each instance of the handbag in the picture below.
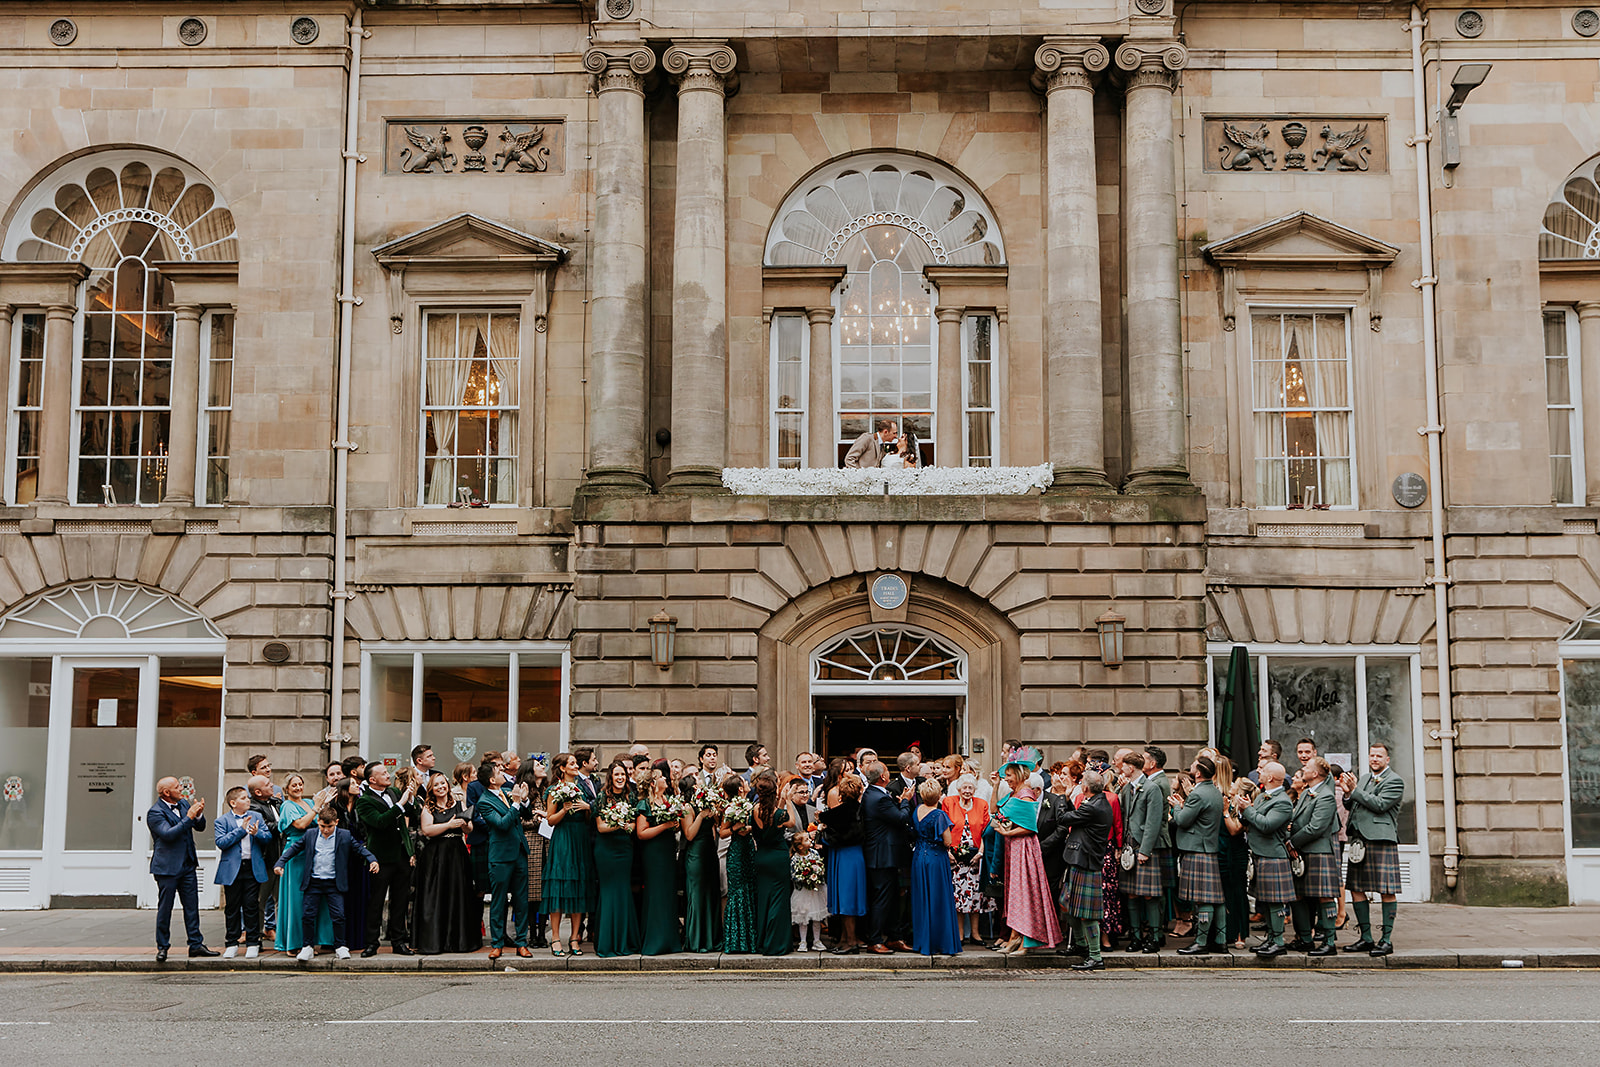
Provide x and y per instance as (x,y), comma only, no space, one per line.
(1127,858)
(1297,865)
(1355,851)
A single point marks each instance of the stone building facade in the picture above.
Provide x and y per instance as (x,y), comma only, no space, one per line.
(376,372)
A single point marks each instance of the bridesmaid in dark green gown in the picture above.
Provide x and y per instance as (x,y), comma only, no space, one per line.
(774,930)
(702,924)
(657,828)
(739,918)
(617,928)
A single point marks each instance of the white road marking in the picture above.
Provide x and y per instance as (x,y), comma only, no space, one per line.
(649,1022)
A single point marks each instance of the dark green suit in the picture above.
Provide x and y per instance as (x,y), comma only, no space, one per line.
(508,865)
(386,821)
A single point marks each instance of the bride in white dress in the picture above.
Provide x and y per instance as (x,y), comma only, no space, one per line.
(904,455)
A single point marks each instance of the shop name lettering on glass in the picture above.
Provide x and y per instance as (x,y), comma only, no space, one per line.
(1301,705)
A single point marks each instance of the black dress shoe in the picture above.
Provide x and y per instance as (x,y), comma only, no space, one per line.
(841,950)
(1364,945)
(1151,948)
(1382,948)
(400,948)
(161,955)
(1299,944)
(1134,945)
(1196,949)
(1324,950)
(1090,965)
(1270,952)
(200,952)
(369,952)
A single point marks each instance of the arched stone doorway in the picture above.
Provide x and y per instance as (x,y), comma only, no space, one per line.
(982,704)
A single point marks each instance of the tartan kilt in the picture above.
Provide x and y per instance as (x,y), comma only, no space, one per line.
(1199,878)
(1274,884)
(1321,879)
(1169,866)
(1379,872)
(1145,879)
(1083,896)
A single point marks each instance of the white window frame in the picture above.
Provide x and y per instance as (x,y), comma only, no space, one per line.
(1583,864)
(522,408)
(517,653)
(803,400)
(13,386)
(1418,855)
(968,344)
(202,442)
(1280,308)
(1574,407)
(935,429)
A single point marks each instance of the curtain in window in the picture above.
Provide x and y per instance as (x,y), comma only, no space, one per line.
(1328,386)
(1267,371)
(503,363)
(446,379)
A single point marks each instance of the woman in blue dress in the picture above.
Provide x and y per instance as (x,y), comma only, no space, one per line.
(847,865)
(934,929)
(294,816)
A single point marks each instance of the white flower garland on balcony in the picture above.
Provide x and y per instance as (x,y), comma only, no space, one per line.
(927,481)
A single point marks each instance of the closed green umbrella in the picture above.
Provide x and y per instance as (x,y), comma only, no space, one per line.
(1238,736)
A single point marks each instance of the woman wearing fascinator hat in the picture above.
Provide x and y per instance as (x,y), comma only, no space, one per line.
(1027,906)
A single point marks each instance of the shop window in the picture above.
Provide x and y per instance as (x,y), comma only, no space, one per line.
(24,745)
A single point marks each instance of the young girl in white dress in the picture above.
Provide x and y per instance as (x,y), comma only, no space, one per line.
(808,900)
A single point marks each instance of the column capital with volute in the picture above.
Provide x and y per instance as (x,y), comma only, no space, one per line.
(702,66)
(1152,63)
(1069,63)
(620,66)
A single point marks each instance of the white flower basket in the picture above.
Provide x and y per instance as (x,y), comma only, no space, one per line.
(925,481)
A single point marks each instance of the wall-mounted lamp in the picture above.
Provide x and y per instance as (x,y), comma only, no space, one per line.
(663,638)
(1467,77)
(1111,627)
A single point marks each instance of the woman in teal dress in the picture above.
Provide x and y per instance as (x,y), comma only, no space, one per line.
(294,816)
(739,917)
(569,877)
(702,922)
(616,926)
(773,881)
(657,828)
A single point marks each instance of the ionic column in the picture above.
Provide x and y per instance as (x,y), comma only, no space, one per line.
(617,308)
(1589,378)
(820,450)
(55,422)
(951,428)
(699,267)
(181,444)
(1159,461)
(1073,354)
(5,361)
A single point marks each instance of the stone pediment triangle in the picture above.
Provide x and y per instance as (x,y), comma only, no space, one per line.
(1300,236)
(467,236)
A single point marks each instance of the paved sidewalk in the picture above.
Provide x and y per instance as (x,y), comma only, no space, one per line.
(1426,935)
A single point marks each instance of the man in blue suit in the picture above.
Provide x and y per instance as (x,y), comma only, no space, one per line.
(173,863)
(886,819)
(325,878)
(242,836)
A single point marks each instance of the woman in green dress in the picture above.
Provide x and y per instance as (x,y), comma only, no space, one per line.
(617,927)
(659,815)
(296,814)
(702,924)
(774,929)
(569,861)
(739,918)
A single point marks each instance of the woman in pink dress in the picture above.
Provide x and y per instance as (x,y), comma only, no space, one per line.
(1029,910)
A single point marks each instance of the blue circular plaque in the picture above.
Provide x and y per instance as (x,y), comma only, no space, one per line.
(888,591)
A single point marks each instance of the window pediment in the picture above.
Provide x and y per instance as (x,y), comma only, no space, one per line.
(1301,240)
(466,241)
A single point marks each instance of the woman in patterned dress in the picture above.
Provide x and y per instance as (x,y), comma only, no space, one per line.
(1113,922)
(969,814)
(739,918)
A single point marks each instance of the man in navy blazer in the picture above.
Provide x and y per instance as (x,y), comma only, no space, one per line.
(886,819)
(173,862)
(326,876)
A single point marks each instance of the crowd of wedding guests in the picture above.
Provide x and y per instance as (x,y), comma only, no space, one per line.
(1098,851)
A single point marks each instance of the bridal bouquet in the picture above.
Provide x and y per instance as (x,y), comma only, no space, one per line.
(808,871)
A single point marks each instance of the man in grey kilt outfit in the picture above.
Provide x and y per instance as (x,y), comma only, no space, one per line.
(1197,821)
(1152,842)
(1374,805)
(1082,894)
(1313,835)
(1266,824)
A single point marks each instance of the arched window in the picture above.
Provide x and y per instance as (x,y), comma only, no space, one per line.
(889,654)
(884,217)
(1571,226)
(122,214)
(105,611)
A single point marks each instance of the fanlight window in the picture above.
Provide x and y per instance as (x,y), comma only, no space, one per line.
(1571,227)
(85,211)
(1586,628)
(101,610)
(890,654)
(817,221)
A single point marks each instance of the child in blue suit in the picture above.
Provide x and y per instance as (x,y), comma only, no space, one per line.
(242,840)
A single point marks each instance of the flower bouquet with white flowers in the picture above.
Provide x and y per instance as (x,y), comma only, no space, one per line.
(618,814)
(565,793)
(807,870)
(707,797)
(740,811)
(666,810)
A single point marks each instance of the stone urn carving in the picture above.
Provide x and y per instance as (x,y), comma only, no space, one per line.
(1294,134)
(475,137)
